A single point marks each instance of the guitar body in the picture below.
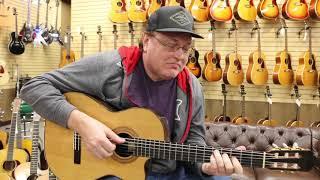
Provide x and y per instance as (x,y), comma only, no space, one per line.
(137,11)
(268,122)
(37,37)
(220,10)
(16,45)
(19,155)
(295,123)
(47,36)
(4,176)
(245,10)
(154,5)
(26,33)
(22,172)
(282,72)
(199,10)
(212,69)
(3,139)
(257,72)
(55,35)
(233,73)
(193,63)
(4,74)
(59,151)
(67,59)
(118,12)
(175,3)
(306,73)
(295,10)
(268,9)
(314,9)
(222,119)
(241,120)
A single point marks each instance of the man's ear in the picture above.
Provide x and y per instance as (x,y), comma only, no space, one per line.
(145,41)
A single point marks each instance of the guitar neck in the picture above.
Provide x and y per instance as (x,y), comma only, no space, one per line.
(29,12)
(16,20)
(35,142)
(259,43)
(243,107)
(12,136)
(310,42)
(286,39)
(269,111)
(213,41)
(224,107)
(82,44)
(38,13)
(19,133)
(57,12)
(47,11)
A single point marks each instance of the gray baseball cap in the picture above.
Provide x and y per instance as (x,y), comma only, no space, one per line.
(171,19)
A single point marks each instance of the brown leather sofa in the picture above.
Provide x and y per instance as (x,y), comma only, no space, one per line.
(261,138)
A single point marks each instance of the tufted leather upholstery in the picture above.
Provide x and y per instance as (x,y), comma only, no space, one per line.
(261,138)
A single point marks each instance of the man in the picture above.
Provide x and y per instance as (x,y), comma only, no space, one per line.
(153,77)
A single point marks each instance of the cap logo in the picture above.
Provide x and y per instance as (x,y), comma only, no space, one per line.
(180,18)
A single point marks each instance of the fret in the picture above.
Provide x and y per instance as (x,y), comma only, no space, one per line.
(251,158)
(189,153)
(204,154)
(181,153)
(175,151)
(264,160)
(35,141)
(154,147)
(169,151)
(158,150)
(164,150)
(196,154)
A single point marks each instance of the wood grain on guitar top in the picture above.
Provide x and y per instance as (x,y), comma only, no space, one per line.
(212,69)
(306,73)
(257,72)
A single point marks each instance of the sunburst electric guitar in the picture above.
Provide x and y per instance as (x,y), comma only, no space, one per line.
(69,159)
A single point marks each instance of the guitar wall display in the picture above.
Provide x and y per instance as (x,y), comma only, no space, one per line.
(46,30)
(193,61)
(16,45)
(223,117)
(296,122)
(242,119)
(244,10)
(27,29)
(268,121)
(268,9)
(54,32)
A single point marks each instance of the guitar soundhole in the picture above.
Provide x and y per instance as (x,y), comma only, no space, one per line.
(286,61)
(33,177)
(123,150)
(138,3)
(159,1)
(10,165)
(310,61)
(1,69)
(119,4)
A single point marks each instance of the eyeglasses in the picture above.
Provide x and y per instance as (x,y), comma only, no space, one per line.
(174,47)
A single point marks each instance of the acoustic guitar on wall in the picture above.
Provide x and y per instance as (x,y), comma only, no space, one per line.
(68,55)
(199,9)
(242,119)
(307,73)
(268,9)
(295,10)
(223,117)
(212,69)
(155,5)
(220,10)
(268,121)
(99,32)
(193,61)
(282,71)
(137,11)
(233,72)
(257,72)
(244,10)
(296,122)
(175,3)
(118,12)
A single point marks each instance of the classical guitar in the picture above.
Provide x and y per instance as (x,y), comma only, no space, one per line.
(295,10)
(115,36)
(242,119)
(296,122)
(245,10)
(27,29)
(68,55)
(118,12)
(257,72)
(220,10)
(16,45)
(233,72)
(314,9)
(11,157)
(193,61)
(212,69)
(223,117)
(282,71)
(155,5)
(199,10)
(46,30)
(83,38)
(54,32)
(268,9)
(137,11)
(37,31)
(99,32)
(268,121)
(30,170)
(307,73)
(70,160)
(4,74)
(175,3)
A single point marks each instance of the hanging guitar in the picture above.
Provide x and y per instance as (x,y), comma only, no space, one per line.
(296,122)
(199,9)
(4,74)
(27,29)
(46,31)
(83,38)
(193,63)
(295,10)
(137,11)
(257,72)
(212,69)
(16,45)
(155,5)
(268,9)
(233,72)
(223,117)
(115,36)
(141,144)
(307,74)
(282,71)
(37,31)
(314,9)
(118,12)
(68,55)
(244,10)
(54,32)
(268,121)
(242,119)
(99,32)
(220,10)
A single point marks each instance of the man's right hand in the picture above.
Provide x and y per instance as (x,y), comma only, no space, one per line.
(98,138)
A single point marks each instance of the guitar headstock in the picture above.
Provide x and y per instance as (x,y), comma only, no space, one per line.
(47,1)
(99,32)
(15,11)
(268,92)
(224,90)
(115,31)
(296,92)
(131,30)
(242,90)
(212,25)
(57,3)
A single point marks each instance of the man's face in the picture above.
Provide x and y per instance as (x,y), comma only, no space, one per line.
(165,54)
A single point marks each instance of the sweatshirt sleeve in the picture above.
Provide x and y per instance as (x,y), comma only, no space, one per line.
(88,75)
